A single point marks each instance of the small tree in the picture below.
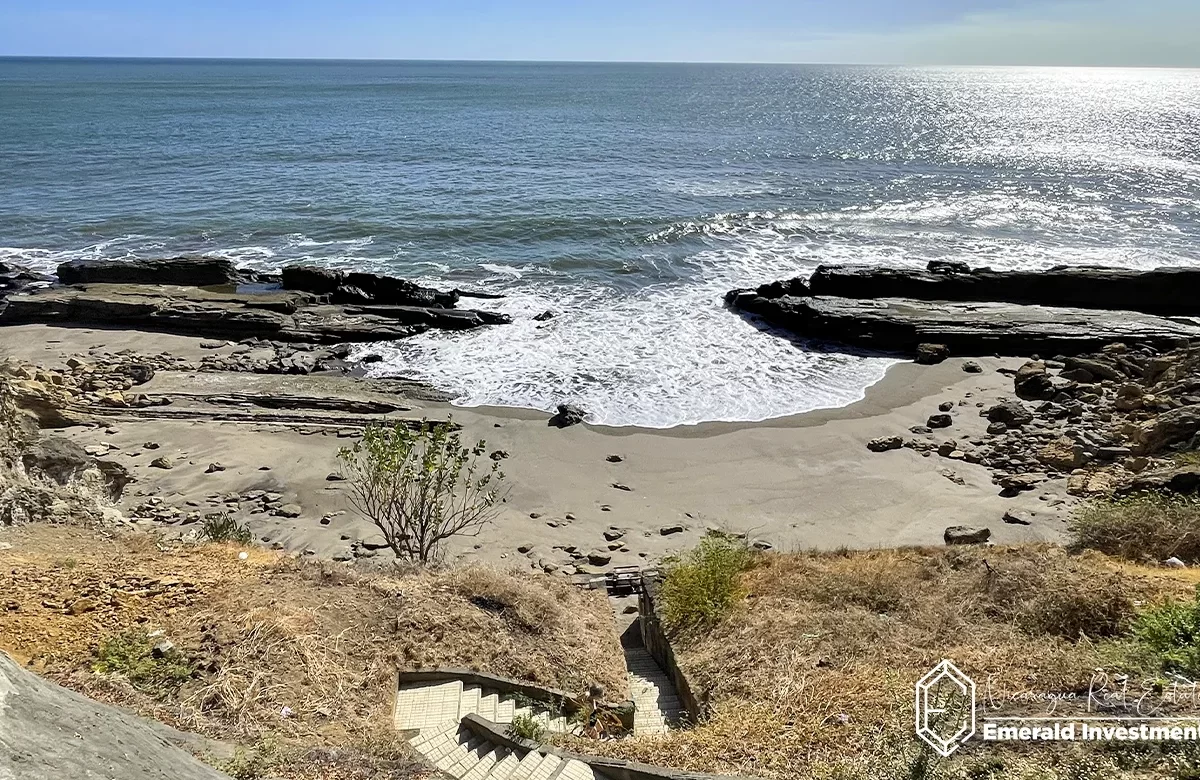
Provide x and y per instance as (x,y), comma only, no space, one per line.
(421,486)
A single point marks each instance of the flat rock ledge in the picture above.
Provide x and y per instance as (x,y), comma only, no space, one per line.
(860,317)
(207,297)
(1162,291)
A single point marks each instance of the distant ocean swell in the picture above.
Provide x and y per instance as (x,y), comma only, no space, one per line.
(624,199)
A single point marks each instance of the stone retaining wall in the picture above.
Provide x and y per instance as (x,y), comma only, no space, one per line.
(654,637)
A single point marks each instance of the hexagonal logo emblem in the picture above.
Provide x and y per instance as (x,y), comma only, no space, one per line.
(945,708)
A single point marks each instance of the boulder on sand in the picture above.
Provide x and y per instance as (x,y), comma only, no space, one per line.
(567,415)
(965,534)
(1033,382)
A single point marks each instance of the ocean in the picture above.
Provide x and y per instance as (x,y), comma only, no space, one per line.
(624,198)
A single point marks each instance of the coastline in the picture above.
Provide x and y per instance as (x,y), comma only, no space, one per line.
(806,481)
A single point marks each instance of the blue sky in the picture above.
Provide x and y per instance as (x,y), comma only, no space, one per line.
(1030,32)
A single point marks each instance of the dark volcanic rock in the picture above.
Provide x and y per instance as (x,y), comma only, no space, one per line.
(567,415)
(964,534)
(1010,413)
(1185,479)
(445,319)
(1033,381)
(62,460)
(1161,291)
(784,287)
(885,443)
(277,316)
(184,271)
(311,278)
(940,420)
(1096,369)
(965,328)
(14,278)
(354,287)
(932,354)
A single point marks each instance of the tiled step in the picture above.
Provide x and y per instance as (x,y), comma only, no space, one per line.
(545,769)
(431,714)
(487,706)
(574,770)
(422,706)
(469,703)
(526,766)
(485,764)
(505,768)
(434,736)
(505,710)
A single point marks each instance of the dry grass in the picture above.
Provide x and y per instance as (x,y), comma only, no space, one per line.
(812,675)
(1146,527)
(283,649)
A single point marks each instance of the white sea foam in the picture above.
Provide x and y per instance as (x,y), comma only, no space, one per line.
(664,355)
(666,352)
(670,354)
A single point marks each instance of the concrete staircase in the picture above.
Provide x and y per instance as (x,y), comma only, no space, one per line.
(657,704)
(422,706)
(431,715)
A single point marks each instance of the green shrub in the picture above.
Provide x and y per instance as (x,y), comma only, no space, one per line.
(700,587)
(252,764)
(134,656)
(1152,526)
(1171,631)
(223,528)
(527,727)
(421,486)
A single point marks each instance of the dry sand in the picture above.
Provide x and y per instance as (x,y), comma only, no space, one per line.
(798,482)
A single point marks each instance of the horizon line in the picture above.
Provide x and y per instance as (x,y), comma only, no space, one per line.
(452,60)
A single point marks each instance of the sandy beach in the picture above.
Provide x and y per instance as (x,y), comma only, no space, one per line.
(806,481)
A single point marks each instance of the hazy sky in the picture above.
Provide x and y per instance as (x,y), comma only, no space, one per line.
(1035,32)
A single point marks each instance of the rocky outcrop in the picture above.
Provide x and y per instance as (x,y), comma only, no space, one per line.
(279,316)
(976,312)
(1164,291)
(355,287)
(1124,419)
(1181,479)
(901,324)
(186,271)
(51,733)
(14,278)
(62,460)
